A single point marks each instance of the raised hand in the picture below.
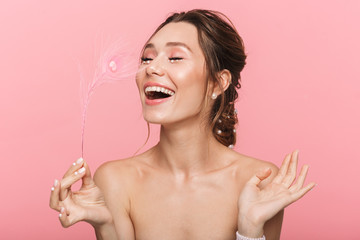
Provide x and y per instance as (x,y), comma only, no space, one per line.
(256,206)
(87,204)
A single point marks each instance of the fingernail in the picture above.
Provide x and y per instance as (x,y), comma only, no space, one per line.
(76,173)
(80,160)
(62,210)
(55,184)
(313,186)
(81,170)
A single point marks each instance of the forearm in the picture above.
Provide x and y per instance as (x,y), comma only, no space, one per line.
(105,232)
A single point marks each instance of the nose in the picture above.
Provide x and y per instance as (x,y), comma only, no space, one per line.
(155,68)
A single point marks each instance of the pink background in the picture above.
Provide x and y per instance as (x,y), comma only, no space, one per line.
(301,90)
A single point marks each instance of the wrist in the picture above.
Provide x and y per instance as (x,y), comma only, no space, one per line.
(241,237)
(250,228)
(105,231)
(98,219)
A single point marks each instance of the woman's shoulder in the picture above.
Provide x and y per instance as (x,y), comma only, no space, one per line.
(122,169)
(118,168)
(252,163)
(247,166)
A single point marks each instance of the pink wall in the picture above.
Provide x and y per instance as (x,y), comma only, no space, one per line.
(301,89)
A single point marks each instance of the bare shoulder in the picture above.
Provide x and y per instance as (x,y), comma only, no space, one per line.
(248,166)
(120,171)
(116,179)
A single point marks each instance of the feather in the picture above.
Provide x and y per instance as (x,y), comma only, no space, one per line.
(114,64)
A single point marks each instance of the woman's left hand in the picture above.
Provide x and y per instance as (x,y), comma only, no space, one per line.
(256,206)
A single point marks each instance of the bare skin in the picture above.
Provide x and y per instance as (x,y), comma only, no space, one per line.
(164,205)
(188,186)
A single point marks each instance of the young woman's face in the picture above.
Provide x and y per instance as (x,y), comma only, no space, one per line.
(172,77)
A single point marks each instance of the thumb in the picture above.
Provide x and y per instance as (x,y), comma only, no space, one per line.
(259,176)
(86,179)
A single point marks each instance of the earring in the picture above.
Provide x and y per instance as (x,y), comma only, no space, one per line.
(213,96)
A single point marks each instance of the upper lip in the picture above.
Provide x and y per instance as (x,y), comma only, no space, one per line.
(150,84)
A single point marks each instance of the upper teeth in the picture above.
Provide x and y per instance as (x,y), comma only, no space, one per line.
(159,89)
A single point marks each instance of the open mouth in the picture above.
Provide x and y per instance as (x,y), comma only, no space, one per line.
(155,92)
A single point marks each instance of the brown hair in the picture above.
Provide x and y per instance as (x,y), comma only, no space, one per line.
(223,48)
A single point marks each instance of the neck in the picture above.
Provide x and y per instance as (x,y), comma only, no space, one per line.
(187,150)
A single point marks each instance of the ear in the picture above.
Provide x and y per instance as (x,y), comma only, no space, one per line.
(224,79)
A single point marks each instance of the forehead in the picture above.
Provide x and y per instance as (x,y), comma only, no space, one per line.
(182,32)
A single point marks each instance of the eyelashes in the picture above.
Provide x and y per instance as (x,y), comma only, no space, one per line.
(145,60)
(175,59)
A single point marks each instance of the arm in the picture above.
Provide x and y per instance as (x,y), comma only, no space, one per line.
(113,183)
(272,228)
(105,232)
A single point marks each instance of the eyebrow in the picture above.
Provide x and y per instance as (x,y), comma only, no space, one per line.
(170,44)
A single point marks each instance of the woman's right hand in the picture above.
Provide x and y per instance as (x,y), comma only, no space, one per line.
(86,204)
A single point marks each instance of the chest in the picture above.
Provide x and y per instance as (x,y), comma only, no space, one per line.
(202,209)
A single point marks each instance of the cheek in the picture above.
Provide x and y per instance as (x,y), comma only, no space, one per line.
(192,87)
(186,75)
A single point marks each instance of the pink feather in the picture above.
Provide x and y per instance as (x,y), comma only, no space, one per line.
(113,65)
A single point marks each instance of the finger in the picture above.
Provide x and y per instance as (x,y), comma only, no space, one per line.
(86,180)
(54,196)
(67,219)
(75,165)
(299,194)
(260,176)
(301,179)
(283,169)
(64,218)
(68,181)
(291,173)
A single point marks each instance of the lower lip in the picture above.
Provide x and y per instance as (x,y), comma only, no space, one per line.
(156,101)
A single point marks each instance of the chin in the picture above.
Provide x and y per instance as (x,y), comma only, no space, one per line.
(155,118)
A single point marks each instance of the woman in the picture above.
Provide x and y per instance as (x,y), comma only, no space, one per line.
(191,185)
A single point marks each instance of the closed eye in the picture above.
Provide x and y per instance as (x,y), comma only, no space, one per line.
(146,60)
(175,59)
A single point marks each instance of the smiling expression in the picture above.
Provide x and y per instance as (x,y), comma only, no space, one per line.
(172,76)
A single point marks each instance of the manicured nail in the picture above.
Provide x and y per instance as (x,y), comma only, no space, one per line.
(80,160)
(55,184)
(81,170)
(62,210)
(76,173)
